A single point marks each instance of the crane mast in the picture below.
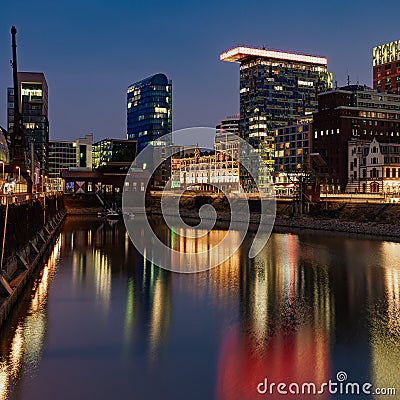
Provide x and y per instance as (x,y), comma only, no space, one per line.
(18,156)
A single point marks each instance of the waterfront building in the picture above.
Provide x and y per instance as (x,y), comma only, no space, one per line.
(103,181)
(69,154)
(351,112)
(276,89)
(212,170)
(149,111)
(386,67)
(34,113)
(110,160)
(114,153)
(292,149)
(292,146)
(373,167)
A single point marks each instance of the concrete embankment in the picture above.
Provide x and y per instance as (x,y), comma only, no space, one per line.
(82,204)
(380,220)
(31,228)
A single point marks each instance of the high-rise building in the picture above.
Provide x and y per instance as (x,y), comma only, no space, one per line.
(351,112)
(34,113)
(276,89)
(386,67)
(65,154)
(149,111)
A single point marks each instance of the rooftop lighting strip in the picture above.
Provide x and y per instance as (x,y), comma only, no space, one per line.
(241,52)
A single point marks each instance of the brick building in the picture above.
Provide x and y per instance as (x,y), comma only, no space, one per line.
(351,112)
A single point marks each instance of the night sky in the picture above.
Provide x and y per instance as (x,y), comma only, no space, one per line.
(91,51)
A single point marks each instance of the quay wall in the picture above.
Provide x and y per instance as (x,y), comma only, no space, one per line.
(31,229)
(377,219)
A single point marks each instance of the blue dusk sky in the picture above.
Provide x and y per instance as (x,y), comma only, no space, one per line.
(92,50)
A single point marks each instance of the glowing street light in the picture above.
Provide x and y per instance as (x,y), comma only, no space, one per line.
(19,177)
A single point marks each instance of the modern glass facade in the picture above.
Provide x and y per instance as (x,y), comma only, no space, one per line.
(149,110)
(292,144)
(114,152)
(276,89)
(34,112)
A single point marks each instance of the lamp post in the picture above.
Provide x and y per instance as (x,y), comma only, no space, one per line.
(19,178)
(29,173)
(34,182)
(2,164)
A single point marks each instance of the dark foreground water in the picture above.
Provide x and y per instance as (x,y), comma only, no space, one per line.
(102,323)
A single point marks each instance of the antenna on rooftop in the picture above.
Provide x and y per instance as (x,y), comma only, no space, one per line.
(348,79)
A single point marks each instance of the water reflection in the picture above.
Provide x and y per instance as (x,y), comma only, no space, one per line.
(21,349)
(306,307)
(287,317)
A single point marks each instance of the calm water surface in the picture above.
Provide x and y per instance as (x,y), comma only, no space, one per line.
(102,323)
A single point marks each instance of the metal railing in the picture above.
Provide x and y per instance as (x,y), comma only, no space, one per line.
(18,198)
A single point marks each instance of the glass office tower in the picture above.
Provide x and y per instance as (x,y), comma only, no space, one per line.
(276,89)
(149,111)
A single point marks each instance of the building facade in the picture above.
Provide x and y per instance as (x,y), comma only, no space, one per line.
(34,113)
(351,112)
(229,124)
(210,171)
(386,67)
(4,153)
(373,167)
(116,153)
(276,89)
(292,146)
(64,154)
(164,157)
(149,111)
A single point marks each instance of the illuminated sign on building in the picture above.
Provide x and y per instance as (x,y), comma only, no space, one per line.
(386,53)
(238,53)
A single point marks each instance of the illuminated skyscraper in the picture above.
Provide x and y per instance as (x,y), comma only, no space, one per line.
(276,89)
(386,67)
(34,111)
(149,110)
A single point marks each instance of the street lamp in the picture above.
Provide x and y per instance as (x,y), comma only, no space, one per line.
(2,164)
(29,173)
(19,177)
(41,176)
